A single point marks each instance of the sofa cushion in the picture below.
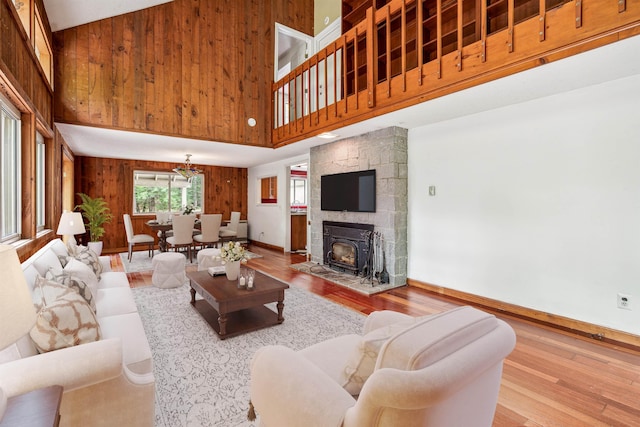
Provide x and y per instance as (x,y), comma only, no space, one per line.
(70,281)
(114,279)
(113,301)
(64,319)
(82,272)
(362,359)
(87,257)
(433,338)
(331,355)
(128,327)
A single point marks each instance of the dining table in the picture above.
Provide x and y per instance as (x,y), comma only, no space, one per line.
(163,227)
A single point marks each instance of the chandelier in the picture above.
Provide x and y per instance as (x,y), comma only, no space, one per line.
(188,170)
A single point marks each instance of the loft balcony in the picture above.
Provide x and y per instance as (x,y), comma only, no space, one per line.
(408,52)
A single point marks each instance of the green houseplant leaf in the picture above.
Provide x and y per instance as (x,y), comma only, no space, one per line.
(96,212)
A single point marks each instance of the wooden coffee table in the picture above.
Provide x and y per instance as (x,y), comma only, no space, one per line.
(232,311)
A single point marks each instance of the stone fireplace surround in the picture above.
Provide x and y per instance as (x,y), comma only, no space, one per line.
(385,151)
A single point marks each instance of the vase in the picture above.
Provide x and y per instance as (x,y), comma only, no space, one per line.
(232,269)
(96,247)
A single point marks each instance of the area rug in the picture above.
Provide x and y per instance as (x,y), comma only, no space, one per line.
(140,260)
(204,381)
(347,280)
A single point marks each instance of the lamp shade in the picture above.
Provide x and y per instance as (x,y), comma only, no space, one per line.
(17,314)
(71,224)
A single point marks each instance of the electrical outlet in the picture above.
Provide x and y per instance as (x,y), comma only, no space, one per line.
(432,190)
(624,301)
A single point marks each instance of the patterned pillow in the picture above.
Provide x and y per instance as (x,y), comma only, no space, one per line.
(82,272)
(362,361)
(64,319)
(70,281)
(87,257)
(63,260)
(46,290)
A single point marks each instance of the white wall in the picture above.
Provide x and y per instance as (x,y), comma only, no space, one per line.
(537,204)
(273,220)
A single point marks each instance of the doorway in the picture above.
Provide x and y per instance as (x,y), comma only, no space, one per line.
(292,49)
(298,204)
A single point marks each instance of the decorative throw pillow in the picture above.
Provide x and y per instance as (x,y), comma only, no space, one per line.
(87,257)
(63,259)
(362,361)
(83,273)
(72,246)
(64,319)
(68,280)
(46,290)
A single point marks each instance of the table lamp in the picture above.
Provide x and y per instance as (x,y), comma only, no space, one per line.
(17,314)
(71,223)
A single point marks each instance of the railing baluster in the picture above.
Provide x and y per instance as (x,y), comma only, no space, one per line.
(345,84)
(578,13)
(403,37)
(308,94)
(510,13)
(622,6)
(542,18)
(357,71)
(388,50)
(483,30)
(326,85)
(459,35)
(419,37)
(288,101)
(293,94)
(335,79)
(439,38)
(372,63)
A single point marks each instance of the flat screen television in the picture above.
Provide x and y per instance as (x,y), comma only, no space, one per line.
(351,191)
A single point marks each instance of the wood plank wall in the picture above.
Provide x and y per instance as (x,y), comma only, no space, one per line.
(20,67)
(112,179)
(191,68)
(24,83)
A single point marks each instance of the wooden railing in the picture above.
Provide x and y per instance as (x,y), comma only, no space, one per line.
(411,51)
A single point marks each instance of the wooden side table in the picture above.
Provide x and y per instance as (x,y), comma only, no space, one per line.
(38,408)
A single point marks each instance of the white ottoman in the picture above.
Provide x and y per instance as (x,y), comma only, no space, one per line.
(206,258)
(168,270)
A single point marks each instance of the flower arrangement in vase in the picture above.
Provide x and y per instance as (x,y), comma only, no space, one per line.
(232,254)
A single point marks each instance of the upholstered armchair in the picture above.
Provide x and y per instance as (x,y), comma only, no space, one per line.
(439,370)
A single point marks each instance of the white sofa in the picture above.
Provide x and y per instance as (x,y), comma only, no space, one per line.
(108,382)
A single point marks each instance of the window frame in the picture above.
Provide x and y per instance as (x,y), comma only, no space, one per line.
(10,174)
(41,189)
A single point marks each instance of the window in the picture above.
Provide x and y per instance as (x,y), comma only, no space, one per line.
(40,176)
(22,7)
(43,49)
(166,192)
(10,167)
(298,193)
(269,190)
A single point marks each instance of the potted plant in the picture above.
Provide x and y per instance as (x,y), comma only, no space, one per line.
(97,213)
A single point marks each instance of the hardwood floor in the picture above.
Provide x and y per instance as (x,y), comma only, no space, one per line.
(552,378)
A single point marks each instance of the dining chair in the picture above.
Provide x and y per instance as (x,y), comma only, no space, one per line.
(230,231)
(136,239)
(210,227)
(182,226)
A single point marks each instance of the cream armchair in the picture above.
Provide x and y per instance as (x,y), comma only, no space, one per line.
(440,370)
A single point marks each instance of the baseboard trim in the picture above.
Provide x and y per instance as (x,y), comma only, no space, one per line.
(266,245)
(578,327)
